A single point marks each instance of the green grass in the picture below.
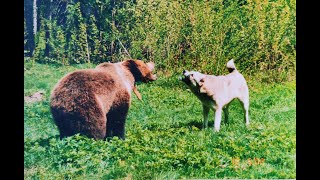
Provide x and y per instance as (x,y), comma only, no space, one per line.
(164,139)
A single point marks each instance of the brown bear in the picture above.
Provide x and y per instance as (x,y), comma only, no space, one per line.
(95,102)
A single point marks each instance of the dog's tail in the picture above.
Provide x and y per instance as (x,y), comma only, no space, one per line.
(230,65)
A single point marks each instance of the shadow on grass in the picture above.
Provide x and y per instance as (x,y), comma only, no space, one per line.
(44,142)
(190,124)
(198,124)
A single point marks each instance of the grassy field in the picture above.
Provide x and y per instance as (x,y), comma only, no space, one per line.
(164,139)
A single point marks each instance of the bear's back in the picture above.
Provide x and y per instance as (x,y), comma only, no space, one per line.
(79,88)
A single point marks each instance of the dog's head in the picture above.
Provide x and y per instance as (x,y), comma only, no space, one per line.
(192,78)
(196,82)
(141,71)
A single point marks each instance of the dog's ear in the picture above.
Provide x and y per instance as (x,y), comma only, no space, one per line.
(201,82)
(202,88)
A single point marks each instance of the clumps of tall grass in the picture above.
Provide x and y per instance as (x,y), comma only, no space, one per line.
(259,35)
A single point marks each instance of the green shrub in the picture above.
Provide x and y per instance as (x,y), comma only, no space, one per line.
(259,35)
(198,35)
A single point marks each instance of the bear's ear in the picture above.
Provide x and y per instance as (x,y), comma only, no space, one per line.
(150,65)
(137,93)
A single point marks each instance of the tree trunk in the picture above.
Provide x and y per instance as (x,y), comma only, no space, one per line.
(59,11)
(34,17)
(47,30)
(28,15)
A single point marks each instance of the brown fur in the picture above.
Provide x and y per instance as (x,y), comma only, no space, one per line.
(95,102)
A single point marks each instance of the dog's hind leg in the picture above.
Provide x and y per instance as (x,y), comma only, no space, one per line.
(205,116)
(217,119)
(245,107)
(226,113)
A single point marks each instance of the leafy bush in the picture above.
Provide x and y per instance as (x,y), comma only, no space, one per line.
(200,35)
(259,35)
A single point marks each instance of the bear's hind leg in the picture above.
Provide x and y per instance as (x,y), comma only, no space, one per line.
(117,120)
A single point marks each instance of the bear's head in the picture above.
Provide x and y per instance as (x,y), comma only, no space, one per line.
(141,71)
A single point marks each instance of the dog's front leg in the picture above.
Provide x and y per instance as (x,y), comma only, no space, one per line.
(217,119)
(205,116)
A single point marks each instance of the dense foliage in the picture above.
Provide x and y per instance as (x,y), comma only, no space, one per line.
(201,35)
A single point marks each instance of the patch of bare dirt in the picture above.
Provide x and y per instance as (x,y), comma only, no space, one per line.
(38,96)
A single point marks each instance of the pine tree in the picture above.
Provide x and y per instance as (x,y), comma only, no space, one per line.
(94,43)
(40,42)
(58,44)
(77,36)
(82,35)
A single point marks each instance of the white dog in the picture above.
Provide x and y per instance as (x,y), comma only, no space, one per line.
(216,92)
